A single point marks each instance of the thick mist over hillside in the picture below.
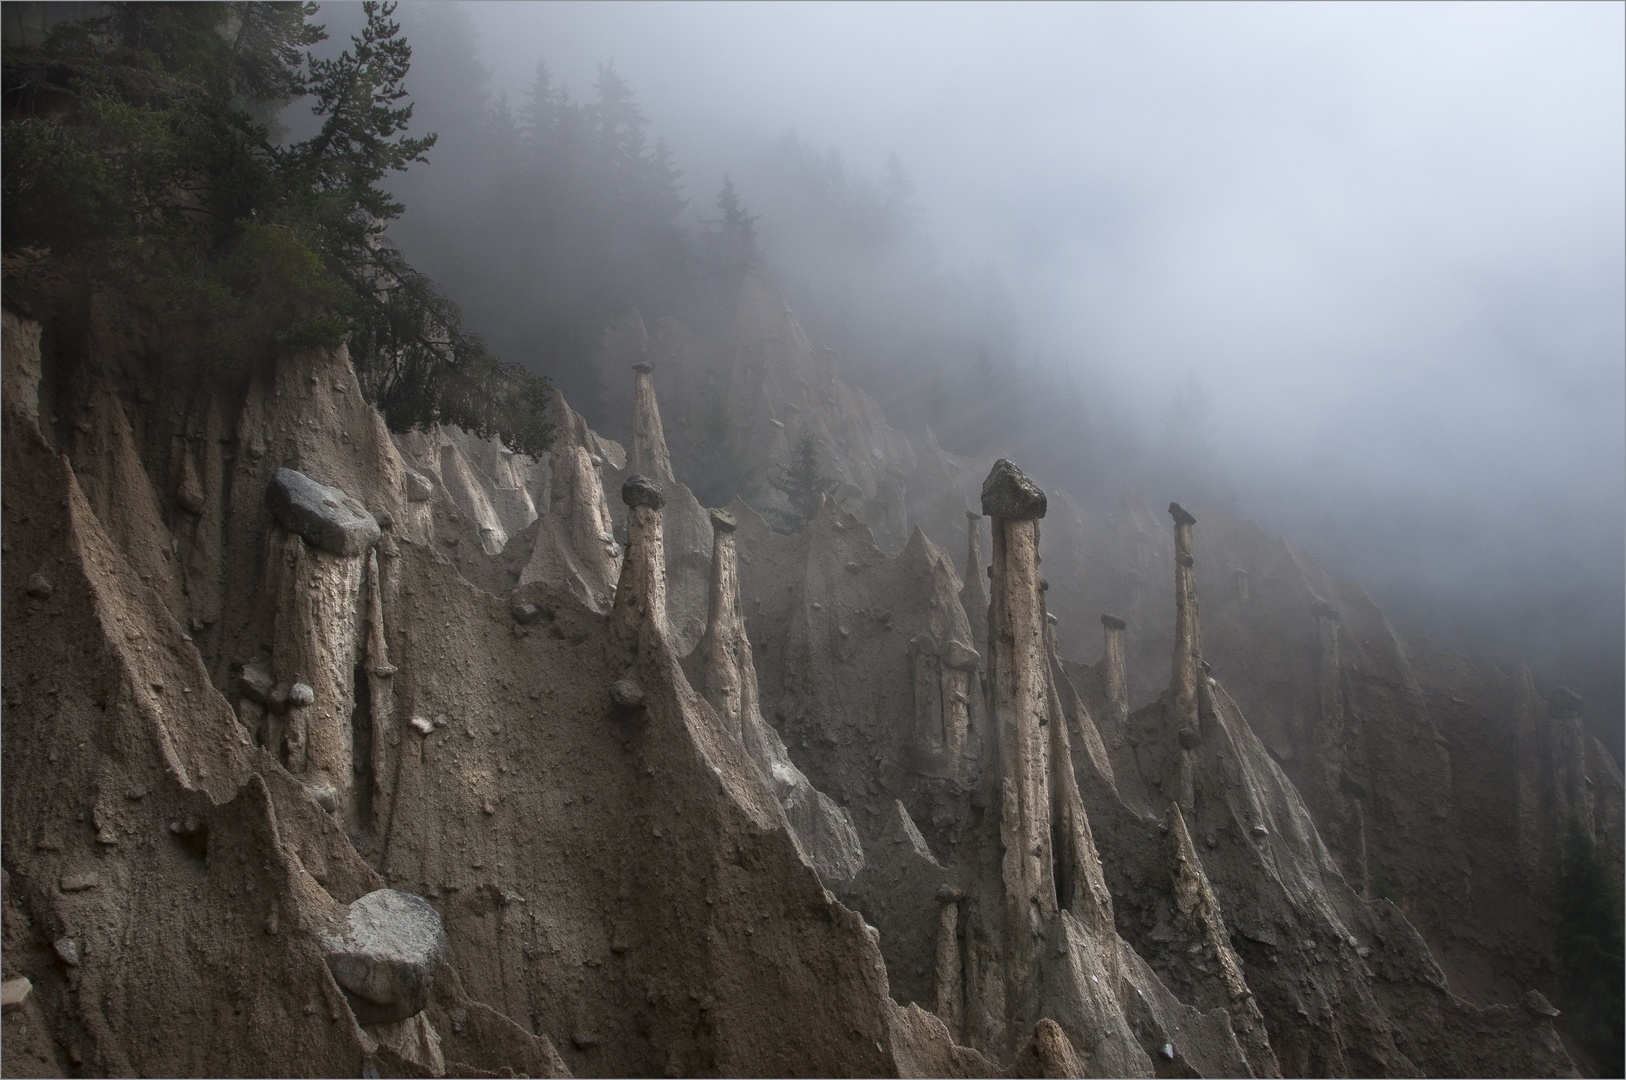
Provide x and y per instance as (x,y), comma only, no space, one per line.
(1353,272)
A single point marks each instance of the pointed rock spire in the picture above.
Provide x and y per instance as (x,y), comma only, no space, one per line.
(1187,632)
(728,679)
(640,596)
(973,596)
(1114,676)
(649,454)
(722,669)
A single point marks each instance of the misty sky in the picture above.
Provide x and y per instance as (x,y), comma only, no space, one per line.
(1387,239)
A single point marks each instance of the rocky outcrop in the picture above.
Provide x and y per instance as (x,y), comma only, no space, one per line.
(660,793)
(384,950)
(722,670)
(1332,983)
(736,404)
(1404,756)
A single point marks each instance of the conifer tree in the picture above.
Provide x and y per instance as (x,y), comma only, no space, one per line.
(803,482)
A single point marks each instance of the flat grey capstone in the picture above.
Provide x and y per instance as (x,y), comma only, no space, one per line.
(384,951)
(640,490)
(1112,622)
(325,516)
(1181,515)
(1008,493)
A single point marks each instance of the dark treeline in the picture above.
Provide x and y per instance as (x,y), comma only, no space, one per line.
(141,156)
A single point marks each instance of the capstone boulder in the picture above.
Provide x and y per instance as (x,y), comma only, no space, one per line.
(325,516)
(384,951)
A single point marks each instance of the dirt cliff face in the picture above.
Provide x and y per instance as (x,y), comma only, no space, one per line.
(667,778)
(1436,784)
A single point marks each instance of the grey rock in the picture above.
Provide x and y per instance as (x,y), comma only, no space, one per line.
(1008,493)
(325,516)
(960,656)
(384,951)
(419,487)
(1181,515)
(13,992)
(1189,739)
(384,518)
(300,695)
(255,682)
(325,797)
(723,521)
(643,367)
(627,694)
(67,950)
(79,882)
(38,587)
(525,614)
(1322,609)
(640,490)
(1112,622)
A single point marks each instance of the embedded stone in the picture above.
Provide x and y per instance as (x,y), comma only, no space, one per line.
(325,516)
(960,656)
(1008,493)
(421,725)
(1181,515)
(1189,739)
(39,588)
(640,490)
(71,883)
(67,951)
(525,614)
(419,487)
(13,992)
(1112,622)
(627,694)
(384,952)
(300,695)
(254,681)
